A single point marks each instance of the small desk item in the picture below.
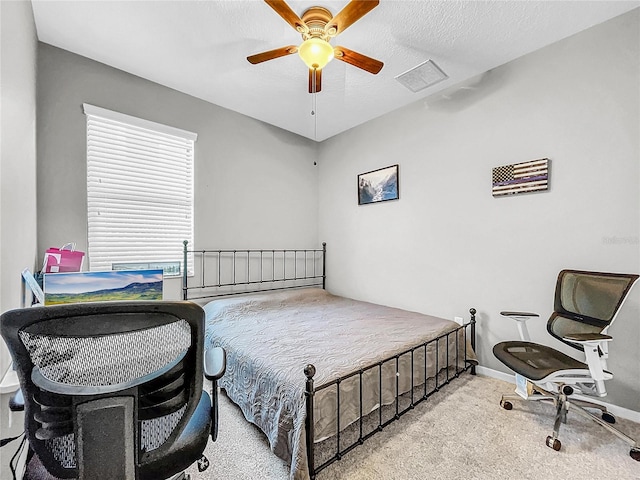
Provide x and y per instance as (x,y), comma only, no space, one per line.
(32,283)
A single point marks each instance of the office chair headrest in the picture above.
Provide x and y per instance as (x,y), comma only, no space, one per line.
(591,297)
(587,302)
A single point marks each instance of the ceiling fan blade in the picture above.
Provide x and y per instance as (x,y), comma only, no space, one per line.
(289,16)
(271,54)
(354,10)
(356,59)
(318,78)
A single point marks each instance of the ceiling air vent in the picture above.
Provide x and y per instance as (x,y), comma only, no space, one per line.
(423,76)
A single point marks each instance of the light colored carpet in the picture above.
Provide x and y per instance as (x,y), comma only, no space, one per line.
(460,432)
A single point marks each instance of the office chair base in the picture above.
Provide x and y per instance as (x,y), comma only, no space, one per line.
(635,446)
(563,406)
(553,443)
(505,404)
(541,394)
(607,417)
(506,401)
(203,464)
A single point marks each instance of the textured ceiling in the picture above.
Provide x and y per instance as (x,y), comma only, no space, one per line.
(200,48)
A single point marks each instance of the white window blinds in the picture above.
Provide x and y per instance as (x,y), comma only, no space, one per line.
(139,192)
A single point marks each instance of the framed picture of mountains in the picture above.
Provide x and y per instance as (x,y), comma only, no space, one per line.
(102,286)
(378,185)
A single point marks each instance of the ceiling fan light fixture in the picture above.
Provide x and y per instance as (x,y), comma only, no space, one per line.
(315,52)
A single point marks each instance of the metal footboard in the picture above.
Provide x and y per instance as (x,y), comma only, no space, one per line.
(467,331)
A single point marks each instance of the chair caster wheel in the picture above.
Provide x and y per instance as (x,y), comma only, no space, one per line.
(203,463)
(635,454)
(607,417)
(555,444)
(506,405)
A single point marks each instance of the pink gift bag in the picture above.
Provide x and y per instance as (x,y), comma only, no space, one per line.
(63,259)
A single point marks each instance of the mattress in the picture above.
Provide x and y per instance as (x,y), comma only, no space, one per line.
(269,339)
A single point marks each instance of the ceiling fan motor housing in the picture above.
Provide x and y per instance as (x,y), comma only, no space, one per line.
(316,18)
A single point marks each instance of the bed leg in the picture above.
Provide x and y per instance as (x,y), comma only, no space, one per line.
(324,265)
(309,372)
(472,311)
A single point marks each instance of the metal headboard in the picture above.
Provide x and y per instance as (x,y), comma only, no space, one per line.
(218,273)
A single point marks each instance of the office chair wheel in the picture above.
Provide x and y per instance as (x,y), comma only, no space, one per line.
(607,417)
(506,405)
(635,454)
(555,444)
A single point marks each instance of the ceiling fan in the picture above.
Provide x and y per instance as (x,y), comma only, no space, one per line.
(317,27)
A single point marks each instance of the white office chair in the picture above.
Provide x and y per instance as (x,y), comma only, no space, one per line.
(586,304)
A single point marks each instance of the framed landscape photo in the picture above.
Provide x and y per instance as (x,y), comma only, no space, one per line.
(378,185)
(102,286)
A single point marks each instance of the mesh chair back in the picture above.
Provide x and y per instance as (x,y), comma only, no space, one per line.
(148,353)
(587,302)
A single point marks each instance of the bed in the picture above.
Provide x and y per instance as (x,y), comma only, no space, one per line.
(316,372)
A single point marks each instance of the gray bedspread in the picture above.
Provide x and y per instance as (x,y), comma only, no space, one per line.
(269,338)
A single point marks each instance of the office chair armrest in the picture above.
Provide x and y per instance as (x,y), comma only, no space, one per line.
(519,315)
(585,338)
(521,320)
(215,363)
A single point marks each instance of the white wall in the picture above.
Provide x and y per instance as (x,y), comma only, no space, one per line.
(255,185)
(17,153)
(448,245)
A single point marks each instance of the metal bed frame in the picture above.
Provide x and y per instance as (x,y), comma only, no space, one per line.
(308,277)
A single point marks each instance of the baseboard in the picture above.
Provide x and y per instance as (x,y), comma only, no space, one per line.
(616,410)
(490,372)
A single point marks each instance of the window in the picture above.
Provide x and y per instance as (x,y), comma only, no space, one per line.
(139,192)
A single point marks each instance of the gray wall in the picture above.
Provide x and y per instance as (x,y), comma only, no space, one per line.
(17,154)
(255,185)
(448,245)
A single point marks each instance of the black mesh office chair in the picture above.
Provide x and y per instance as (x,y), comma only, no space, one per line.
(586,304)
(113,390)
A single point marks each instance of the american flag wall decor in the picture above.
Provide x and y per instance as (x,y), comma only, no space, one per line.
(523,177)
